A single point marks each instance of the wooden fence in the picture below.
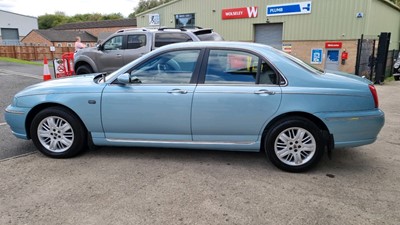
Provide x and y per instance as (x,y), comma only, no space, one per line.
(32,53)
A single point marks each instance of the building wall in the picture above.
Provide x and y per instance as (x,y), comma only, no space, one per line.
(302,50)
(341,21)
(23,23)
(328,20)
(389,21)
(34,38)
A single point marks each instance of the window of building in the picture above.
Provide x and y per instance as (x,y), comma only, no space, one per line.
(185,20)
(59,45)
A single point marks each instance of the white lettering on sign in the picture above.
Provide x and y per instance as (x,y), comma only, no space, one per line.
(252,12)
(237,13)
(274,10)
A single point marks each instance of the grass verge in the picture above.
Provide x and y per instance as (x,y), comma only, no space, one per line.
(20,61)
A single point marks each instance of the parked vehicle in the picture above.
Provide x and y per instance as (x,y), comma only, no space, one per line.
(396,68)
(203,95)
(127,45)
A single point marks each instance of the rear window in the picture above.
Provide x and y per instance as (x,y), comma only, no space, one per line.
(162,39)
(210,37)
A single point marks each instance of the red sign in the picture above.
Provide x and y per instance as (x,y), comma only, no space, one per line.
(333,44)
(240,13)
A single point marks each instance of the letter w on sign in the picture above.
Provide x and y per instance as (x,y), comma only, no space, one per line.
(240,13)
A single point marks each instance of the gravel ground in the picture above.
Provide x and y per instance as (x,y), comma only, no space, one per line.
(169,186)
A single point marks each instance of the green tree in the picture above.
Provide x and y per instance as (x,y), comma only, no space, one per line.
(145,5)
(51,20)
(397,2)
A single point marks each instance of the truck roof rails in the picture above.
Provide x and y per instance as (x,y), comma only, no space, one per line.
(131,29)
(171,28)
(192,27)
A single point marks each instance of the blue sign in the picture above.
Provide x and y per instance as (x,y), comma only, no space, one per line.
(289,9)
(316,55)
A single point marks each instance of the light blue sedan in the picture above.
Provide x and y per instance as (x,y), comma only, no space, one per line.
(203,95)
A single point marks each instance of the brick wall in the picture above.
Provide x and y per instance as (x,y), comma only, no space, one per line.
(302,50)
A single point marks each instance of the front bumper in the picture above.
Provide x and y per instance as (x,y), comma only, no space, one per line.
(16,118)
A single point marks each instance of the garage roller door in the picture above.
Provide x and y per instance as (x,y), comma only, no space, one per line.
(9,36)
(269,34)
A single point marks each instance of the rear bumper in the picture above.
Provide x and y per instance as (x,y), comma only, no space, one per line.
(352,129)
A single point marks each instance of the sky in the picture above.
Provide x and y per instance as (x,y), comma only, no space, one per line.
(69,7)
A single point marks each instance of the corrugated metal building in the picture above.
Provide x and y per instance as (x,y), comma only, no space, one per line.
(317,31)
(13,27)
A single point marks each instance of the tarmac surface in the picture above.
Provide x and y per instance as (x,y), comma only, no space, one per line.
(170,186)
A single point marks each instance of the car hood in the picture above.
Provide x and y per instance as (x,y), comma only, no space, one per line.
(82,84)
(90,49)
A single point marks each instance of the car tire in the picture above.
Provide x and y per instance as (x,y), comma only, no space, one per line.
(83,69)
(294,144)
(396,77)
(58,133)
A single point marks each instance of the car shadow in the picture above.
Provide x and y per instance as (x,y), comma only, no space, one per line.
(342,160)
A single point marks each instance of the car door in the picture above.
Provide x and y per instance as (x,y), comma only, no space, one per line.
(238,94)
(137,45)
(110,58)
(156,104)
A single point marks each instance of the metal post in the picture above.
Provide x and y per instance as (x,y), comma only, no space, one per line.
(358,58)
(371,73)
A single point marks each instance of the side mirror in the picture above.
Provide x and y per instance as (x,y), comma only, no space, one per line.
(127,79)
(99,47)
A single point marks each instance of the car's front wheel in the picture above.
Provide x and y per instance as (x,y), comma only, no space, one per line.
(58,133)
(294,144)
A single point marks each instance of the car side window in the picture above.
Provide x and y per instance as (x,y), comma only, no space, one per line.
(267,74)
(114,43)
(136,41)
(236,67)
(162,39)
(174,67)
(231,67)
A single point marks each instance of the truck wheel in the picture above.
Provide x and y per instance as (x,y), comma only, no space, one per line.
(83,69)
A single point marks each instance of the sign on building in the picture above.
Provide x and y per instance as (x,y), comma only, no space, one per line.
(287,48)
(240,13)
(289,9)
(316,55)
(154,19)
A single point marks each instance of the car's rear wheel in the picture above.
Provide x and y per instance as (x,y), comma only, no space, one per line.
(58,133)
(83,69)
(294,144)
(396,77)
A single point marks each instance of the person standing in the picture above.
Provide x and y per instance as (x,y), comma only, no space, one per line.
(78,44)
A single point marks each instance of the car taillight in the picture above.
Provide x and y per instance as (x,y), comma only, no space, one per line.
(374,94)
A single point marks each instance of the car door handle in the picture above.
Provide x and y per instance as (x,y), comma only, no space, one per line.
(264,92)
(177,91)
(119,55)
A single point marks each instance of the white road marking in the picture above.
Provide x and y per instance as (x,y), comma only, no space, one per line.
(2,124)
(10,73)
